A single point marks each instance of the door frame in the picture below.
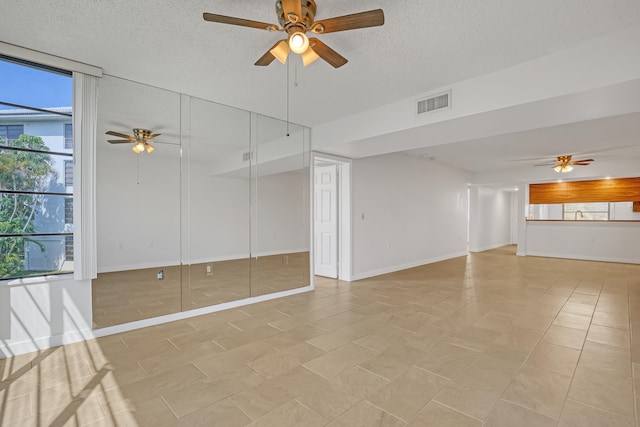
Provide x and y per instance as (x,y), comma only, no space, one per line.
(344,255)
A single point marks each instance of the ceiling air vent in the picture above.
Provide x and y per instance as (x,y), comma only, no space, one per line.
(434,103)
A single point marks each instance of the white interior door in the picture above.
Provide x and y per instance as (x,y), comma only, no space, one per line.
(326,221)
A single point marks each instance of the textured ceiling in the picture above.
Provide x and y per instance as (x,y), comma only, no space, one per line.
(423,45)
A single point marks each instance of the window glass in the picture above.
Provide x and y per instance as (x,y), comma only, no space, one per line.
(36,171)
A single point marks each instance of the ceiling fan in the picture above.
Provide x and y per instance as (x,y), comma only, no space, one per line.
(564,163)
(140,138)
(296,18)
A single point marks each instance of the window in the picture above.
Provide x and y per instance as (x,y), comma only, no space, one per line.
(36,171)
(68,173)
(68,136)
(588,211)
(10,133)
(68,210)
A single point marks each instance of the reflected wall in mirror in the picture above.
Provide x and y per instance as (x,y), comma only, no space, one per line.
(138,206)
(218,205)
(281,246)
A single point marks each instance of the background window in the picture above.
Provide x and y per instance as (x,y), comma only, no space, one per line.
(68,173)
(10,133)
(68,136)
(68,210)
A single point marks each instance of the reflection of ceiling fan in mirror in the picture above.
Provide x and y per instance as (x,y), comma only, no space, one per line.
(564,163)
(140,139)
(296,17)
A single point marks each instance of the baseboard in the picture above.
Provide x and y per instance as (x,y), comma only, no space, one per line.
(585,257)
(39,344)
(392,269)
(14,349)
(488,248)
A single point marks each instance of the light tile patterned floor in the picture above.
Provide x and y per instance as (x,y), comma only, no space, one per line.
(491,339)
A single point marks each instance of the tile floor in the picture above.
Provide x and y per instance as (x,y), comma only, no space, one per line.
(486,340)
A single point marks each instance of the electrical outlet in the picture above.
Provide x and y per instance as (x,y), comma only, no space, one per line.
(208,270)
(160,275)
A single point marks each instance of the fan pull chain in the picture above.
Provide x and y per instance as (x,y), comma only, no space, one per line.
(138,167)
(288,62)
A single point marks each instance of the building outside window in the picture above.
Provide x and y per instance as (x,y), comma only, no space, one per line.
(68,173)
(36,170)
(11,133)
(68,136)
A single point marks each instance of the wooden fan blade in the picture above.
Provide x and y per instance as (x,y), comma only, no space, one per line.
(153,136)
(119,141)
(372,18)
(266,59)
(326,53)
(582,161)
(221,19)
(121,135)
(547,164)
(292,10)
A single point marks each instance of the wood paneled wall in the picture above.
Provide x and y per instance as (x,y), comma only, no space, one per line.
(602,190)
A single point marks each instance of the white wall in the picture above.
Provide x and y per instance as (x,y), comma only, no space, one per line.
(515,200)
(490,219)
(624,211)
(138,207)
(220,222)
(599,241)
(283,215)
(38,314)
(597,63)
(406,212)
(219,218)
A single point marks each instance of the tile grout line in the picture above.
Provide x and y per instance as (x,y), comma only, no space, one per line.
(564,403)
(527,358)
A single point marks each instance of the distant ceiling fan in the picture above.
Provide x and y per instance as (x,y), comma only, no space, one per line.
(296,17)
(564,164)
(140,139)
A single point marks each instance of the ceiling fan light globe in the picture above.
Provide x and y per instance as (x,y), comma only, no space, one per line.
(567,168)
(309,56)
(298,42)
(281,51)
(149,148)
(139,147)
